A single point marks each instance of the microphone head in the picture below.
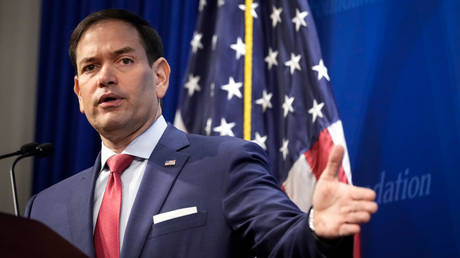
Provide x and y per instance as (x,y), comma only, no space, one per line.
(28,148)
(44,149)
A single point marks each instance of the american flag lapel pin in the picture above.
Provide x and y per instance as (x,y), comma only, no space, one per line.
(170,163)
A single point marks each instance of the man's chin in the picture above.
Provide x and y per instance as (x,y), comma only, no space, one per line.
(109,127)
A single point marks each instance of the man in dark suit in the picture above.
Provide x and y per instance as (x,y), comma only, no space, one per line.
(155,191)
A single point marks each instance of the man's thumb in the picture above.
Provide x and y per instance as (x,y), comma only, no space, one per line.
(334,162)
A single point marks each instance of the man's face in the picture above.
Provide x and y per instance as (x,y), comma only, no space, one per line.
(117,89)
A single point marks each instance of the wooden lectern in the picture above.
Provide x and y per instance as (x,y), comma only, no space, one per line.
(20,237)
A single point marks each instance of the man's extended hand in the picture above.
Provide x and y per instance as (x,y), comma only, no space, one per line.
(340,208)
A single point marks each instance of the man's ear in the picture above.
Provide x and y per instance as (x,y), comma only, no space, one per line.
(76,89)
(161,72)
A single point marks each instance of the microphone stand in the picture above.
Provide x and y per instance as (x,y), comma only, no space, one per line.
(27,150)
(13,184)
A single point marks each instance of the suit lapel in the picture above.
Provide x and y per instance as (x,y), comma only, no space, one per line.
(153,191)
(80,210)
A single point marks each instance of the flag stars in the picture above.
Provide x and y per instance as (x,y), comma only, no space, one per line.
(224,128)
(299,19)
(287,105)
(196,42)
(202,4)
(253,8)
(315,111)
(239,47)
(276,16)
(232,88)
(284,148)
(220,3)
(293,63)
(260,140)
(321,69)
(265,100)
(271,58)
(192,84)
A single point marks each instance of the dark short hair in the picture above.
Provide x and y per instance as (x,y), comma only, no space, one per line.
(150,38)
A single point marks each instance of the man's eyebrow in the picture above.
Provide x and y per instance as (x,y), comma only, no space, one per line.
(123,50)
(115,53)
(86,60)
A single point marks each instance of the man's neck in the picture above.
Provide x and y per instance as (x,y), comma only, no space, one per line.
(118,143)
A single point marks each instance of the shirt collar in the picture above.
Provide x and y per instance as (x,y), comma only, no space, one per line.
(142,146)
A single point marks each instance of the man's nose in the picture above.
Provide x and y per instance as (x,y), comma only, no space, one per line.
(107,76)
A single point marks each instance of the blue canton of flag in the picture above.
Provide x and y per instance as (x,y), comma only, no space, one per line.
(294,116)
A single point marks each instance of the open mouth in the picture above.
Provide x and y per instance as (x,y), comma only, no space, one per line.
(109,99)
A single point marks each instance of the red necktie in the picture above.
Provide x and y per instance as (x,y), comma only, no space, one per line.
(107,232)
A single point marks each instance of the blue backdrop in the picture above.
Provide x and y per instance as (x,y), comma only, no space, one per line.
(395,71)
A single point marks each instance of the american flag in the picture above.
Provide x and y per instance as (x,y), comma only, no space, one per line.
(293,113)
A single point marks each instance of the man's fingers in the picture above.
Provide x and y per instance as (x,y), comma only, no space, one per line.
(349,229)
(359,217)
(362,193)
(334,162)
(367,206)
(357,206)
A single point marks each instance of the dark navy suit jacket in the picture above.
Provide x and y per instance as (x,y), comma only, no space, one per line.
(241,212)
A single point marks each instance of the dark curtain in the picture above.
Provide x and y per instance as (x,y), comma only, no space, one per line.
(58,119)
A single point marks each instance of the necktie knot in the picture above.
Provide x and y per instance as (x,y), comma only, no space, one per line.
(119,162)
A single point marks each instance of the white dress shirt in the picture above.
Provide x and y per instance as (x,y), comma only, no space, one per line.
(141,148)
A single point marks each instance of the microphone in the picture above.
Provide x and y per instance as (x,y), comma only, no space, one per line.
(27,150)
(43,150)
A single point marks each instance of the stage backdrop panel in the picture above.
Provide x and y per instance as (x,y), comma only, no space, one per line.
(394,67)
